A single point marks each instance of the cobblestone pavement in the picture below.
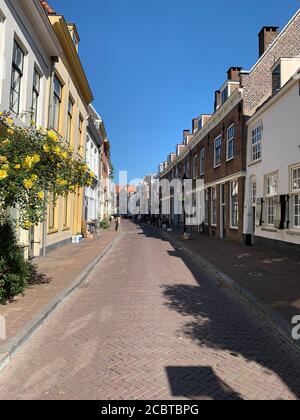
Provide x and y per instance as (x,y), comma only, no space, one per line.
(150,325)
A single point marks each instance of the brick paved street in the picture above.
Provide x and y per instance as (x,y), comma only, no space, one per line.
(150,325)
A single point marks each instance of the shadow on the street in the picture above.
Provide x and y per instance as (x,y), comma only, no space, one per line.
(199,383)
(219,321)
(36,277)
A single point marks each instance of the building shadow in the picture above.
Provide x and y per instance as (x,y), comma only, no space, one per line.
(216,319)
(199,383)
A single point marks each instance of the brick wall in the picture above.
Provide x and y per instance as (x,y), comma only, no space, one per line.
(258,83)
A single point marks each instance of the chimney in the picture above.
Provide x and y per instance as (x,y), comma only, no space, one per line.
(185,134)
(180,148)
(266,37)
(195,124)
(217,100)
(234,74)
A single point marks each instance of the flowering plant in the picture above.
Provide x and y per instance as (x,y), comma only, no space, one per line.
(36,164)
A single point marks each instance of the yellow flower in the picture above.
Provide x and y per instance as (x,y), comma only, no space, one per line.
(17,166)
(64,155)
(46,148)
(9,121)
(28,184)
(3,159)
(61,182)
(28,162)
(10,132)
(5,142)
(41,195)
(53,136)
(34,178)
(57,150)
(36,158)
(3,174)
(27,225)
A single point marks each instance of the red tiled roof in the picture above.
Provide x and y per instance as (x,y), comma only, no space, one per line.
(46,6)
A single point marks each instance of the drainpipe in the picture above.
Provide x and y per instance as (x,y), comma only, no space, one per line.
(54,60)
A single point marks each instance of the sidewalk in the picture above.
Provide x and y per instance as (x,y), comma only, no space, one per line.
(59,274)
(273,280)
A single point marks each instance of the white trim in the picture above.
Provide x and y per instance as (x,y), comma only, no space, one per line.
(227,143)
(226,179)
(211,205)
(230,204)
(217,138)
(200,156)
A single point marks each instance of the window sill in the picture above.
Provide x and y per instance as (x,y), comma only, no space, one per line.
(66,228)
(52,231)
(294,232)
(217,166)
(229,159)
(269,229)
(234,228)
(255,163)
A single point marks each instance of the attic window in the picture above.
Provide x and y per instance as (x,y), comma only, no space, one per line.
(225,95)
(276,80)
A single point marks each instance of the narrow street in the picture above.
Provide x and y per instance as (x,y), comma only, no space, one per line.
(149,324)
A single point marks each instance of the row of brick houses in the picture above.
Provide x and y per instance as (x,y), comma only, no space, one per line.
(216,149)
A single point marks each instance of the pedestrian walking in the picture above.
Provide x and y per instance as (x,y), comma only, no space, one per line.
(117,222)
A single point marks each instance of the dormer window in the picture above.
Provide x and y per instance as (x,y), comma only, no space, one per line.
(225,95)
(276,79)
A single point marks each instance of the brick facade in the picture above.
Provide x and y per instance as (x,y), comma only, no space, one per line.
(257,83)
(256,87)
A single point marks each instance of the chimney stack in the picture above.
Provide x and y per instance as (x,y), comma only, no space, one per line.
(217,100)
(185,134)
(195,124)
(234,74)
(266,37)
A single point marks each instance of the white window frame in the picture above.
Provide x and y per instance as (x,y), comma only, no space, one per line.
(270,195)
(2,46)
(230,140)
(202,161)
(216,165)
(15,69)
(214,212)
(38,92)
(253,187)
(232,226)
(256,143)
(195,174)
(295,194)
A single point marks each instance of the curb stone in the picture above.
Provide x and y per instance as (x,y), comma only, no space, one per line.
(13,346)
(276,322)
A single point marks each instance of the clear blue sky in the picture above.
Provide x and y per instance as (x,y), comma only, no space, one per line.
(154,64)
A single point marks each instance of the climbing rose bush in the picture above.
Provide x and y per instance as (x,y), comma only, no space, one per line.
(35,165)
